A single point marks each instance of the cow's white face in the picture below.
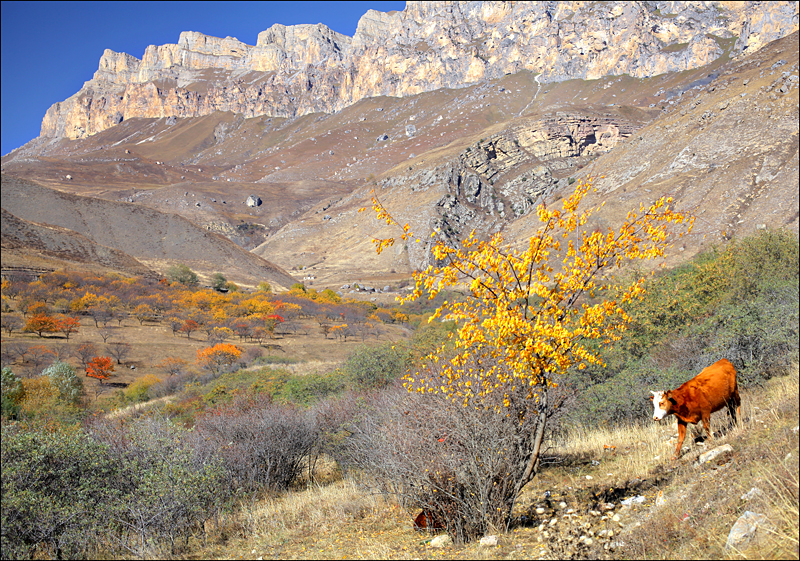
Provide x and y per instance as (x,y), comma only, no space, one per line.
(659,407)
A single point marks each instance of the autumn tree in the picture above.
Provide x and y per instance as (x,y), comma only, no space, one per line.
(119,350)
(218,357)
(68,325)
(173,365)
(144,313)
(85,351)
(528,315)
(271,321)
(100,367)
(9,323)
(106,333)
(41,324)
(39,308)
(189,326)
(39,355)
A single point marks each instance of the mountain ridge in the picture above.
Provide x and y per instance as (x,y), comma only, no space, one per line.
(297,70)
(721,139)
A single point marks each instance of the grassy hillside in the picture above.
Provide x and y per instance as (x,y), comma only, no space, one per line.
(339,520)
(279,458)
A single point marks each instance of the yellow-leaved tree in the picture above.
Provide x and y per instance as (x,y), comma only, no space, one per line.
(525,318)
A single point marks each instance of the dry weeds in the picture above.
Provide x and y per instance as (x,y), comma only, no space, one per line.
(339,520)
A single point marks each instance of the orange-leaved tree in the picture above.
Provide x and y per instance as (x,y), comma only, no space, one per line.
(40,324)
(68,325)
(100,367)
(173,365)
(218,357)
(527,316)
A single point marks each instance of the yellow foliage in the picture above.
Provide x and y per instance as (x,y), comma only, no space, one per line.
(138,391)
(40,395)
(218,356)
(530,310)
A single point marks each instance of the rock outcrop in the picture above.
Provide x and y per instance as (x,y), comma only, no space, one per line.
(296,70)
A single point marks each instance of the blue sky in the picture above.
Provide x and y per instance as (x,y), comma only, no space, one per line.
(49,49)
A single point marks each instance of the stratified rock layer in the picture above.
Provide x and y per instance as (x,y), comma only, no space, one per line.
(302,69)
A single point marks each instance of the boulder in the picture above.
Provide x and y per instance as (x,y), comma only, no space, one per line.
(713,453)
(745,530)
(441,541)
(487,541)
(253,200)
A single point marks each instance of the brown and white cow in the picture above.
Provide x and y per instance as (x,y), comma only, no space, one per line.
(711,390)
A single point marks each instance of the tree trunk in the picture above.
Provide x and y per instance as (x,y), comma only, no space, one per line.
(532,468)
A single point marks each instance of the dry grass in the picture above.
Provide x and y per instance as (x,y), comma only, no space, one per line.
(340,520)
(332,521)
(703,503)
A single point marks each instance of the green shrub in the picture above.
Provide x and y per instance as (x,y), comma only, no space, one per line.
(375,367)
(58,493)
(172,484)
(182,274)
(739,303)
(140,390)
(310,388)
(13,392)
(66,382)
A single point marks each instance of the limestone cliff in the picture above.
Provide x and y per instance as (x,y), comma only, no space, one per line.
(301,69)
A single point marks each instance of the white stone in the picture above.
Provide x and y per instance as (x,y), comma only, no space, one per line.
(713,453)
(745,529)
(488,541)
(752,494)
(441,541)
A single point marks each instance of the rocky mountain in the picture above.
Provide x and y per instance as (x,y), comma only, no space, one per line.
(306,69)
(656,109)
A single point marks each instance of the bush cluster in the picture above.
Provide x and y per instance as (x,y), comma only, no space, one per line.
(142,487)
(739,303)
(462,465)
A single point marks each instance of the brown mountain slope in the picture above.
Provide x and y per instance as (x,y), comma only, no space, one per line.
(723,143)
(479,157)
(28,244)
(157,240)
(727,151)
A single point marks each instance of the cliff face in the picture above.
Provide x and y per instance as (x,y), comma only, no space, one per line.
(303,69)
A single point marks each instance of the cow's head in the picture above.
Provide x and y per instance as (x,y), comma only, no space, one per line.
(662,404)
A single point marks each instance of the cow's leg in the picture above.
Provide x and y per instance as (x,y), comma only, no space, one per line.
(706,418)
(681,436)
(736,402)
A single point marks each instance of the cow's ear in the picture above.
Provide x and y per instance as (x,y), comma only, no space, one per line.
(671,399)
